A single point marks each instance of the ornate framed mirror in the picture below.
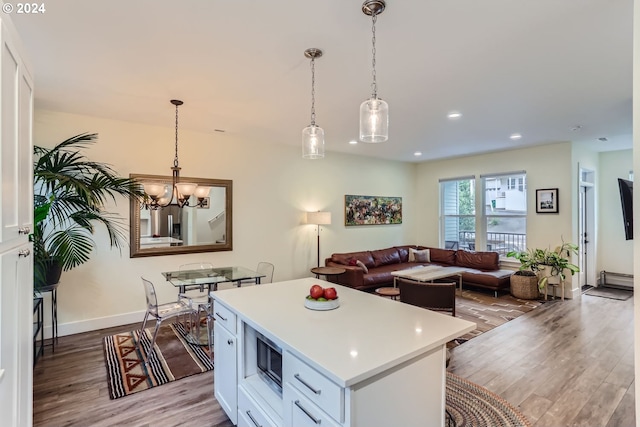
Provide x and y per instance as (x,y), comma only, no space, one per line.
(205,225)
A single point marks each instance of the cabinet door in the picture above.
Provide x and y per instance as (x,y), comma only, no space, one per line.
(16,110)
(225,375)
(16,343)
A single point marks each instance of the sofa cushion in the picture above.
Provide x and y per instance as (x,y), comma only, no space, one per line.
(441,256)
(479,260)
(403,251)
(419,255)
(385,256)
(364,256)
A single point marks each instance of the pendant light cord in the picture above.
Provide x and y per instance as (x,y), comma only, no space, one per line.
(175,160)
(374,85)
(313,90)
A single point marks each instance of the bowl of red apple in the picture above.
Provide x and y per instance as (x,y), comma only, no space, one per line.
(320,298)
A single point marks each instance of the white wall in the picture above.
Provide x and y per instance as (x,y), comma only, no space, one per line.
(272,188)
(615,253)
(547,166)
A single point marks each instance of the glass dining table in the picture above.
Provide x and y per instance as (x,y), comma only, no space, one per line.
(209,277)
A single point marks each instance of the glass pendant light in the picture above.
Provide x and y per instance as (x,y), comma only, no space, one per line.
(312,135)
(374,112)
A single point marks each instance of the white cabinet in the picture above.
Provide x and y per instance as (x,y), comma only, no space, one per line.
(16,340)
(16,217)
(16,110)
(225,374)
(335,376)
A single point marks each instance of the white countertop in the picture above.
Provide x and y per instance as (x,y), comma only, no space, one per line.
(366,335)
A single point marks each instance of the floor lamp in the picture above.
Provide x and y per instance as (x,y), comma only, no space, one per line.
(319,218)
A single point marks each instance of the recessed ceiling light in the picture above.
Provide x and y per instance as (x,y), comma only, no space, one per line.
(353,142)
(515,136)
(454,115)
(418,153)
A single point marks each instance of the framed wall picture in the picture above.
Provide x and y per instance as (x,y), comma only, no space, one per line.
(547,200)
(372,210)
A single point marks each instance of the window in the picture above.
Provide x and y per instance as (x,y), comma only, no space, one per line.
(500,225)
(505,212)
(458,213)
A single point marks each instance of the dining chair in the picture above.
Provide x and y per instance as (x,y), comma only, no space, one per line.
(160,312)
(263,269)
(199,302)
(432,296)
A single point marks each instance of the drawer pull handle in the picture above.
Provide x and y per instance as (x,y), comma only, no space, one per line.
(303,409)
(230,341)
(306,384)
(24,230)
(24,252)
(253,419)
(220,316)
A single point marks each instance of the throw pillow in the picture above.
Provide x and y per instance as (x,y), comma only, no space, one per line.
(362,266)
(416,255)
(353,262)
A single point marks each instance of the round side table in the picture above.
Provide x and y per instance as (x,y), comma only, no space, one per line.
(394,293)
(327,271)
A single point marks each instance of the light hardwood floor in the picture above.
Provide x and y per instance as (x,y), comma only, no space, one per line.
(565,364)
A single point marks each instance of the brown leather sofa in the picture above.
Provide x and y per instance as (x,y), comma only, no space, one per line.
(481,269)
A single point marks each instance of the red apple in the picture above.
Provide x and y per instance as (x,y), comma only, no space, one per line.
(316,291)
(330,293)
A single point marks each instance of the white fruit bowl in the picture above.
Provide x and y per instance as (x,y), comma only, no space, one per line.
(322,305)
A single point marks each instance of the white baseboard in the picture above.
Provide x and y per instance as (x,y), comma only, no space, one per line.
(95,324)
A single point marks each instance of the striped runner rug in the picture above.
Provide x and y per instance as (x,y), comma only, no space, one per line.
(174,358)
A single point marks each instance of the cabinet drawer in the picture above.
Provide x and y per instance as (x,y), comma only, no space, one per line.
(224,317)
(249,414)
(301,412)
(316,387)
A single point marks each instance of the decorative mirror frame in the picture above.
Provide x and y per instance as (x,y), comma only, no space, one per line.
(134,219)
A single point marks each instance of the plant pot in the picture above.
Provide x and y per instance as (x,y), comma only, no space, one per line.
(524,285)
(47,274)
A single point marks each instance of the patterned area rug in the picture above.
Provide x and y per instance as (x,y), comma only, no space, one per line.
(487,311)
(470,405)
(173,359)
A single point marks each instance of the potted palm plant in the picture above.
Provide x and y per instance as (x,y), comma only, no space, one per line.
(70,192)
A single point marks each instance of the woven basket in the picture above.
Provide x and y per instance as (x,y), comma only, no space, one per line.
(524,287)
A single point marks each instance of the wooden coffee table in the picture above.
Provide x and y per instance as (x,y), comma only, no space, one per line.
(394,293)
(428,274)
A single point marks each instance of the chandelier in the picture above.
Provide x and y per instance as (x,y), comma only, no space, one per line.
(159,195)
(312,135)
(374,112)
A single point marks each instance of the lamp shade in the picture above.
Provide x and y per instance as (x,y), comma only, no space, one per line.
(319,218)
(312,142)
(154,189)
(186,189)
(202,191)
(374,120)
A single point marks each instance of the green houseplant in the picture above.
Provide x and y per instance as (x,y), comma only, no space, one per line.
(70,192)
(524,282)
(556,262)
(543,261)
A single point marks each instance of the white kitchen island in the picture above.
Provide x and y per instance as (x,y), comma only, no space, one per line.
(370,362)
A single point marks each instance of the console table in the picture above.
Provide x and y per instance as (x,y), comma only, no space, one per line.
(336,368)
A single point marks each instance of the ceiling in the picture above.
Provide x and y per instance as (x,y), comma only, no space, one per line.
(547,69)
